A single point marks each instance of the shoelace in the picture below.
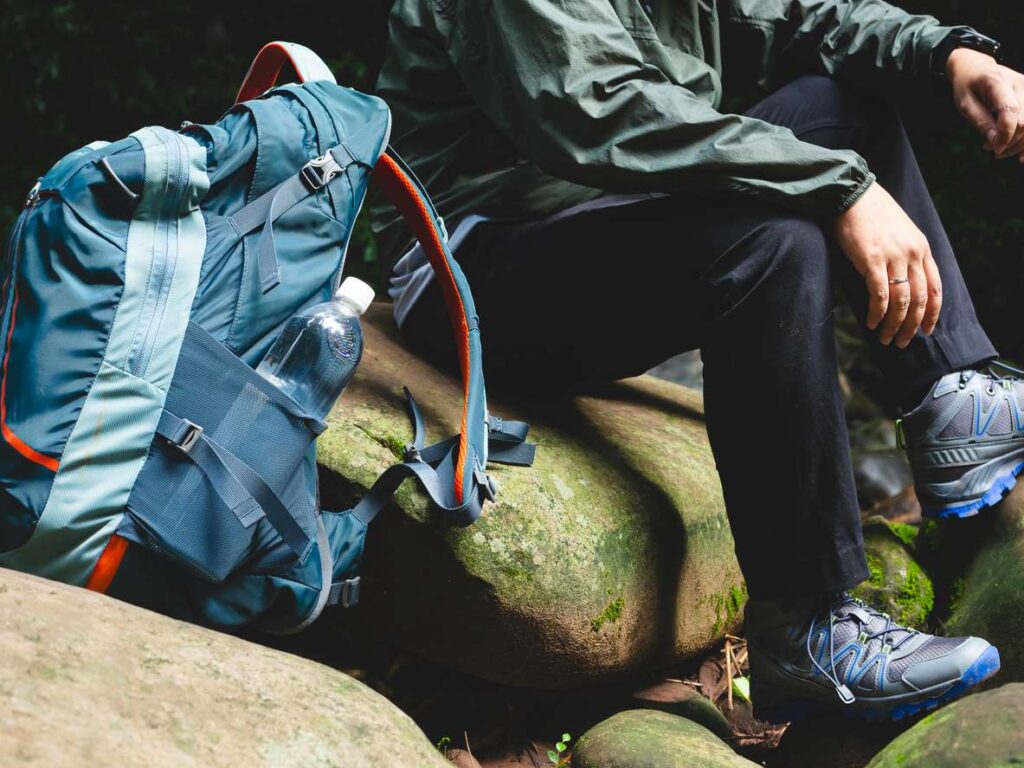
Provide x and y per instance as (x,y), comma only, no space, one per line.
(1006,381)
(834,604)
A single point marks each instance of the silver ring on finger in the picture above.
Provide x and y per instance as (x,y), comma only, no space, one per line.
(899,280)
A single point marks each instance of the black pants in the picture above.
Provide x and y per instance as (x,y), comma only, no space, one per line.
(601,294)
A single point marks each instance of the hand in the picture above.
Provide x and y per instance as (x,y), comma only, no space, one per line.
(991,98)
(883,243)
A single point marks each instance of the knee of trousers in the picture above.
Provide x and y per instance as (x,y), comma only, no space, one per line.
(845,102)
(796,264)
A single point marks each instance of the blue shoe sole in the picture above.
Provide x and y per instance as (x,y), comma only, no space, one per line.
(1002,486)
(795,710)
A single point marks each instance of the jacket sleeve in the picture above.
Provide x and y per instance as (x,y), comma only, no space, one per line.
(567,85)
(867,42)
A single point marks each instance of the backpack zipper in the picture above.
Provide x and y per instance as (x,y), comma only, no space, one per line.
(165,259)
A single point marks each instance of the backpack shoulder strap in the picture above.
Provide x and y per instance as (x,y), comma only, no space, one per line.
(468,457)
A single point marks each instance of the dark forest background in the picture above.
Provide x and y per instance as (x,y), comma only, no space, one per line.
(75,71)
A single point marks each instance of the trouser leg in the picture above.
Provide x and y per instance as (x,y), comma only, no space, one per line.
(822,111)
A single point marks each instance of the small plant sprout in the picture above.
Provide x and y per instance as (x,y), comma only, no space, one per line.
(558,756)
(442,745)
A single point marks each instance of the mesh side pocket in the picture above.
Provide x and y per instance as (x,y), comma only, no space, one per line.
(176,509)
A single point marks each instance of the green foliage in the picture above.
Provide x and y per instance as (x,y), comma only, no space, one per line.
(442,745)
(558,756)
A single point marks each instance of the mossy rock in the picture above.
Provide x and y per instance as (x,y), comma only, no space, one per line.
(611,554)
(897,585)
(980,731)
(646,738)
(677,698)
(88,680)
(988,600)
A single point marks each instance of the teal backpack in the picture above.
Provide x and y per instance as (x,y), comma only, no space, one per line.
(141,455)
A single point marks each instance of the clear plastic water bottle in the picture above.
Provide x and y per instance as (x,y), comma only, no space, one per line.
(316,355)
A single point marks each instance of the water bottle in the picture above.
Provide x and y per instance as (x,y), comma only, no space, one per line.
(316,355)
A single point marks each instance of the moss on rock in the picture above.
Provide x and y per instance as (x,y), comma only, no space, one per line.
(989,598)
(612,553)
(645,738)
(896,583)
(980,731)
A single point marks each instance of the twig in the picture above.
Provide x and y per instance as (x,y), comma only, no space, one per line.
(728,672)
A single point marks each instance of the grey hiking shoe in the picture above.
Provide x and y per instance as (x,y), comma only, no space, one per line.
(965,442)
(848,658)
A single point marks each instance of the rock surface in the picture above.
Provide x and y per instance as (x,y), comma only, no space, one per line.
(680,699)
(897,585)
(644,738)
(989,599)
(87,680)
(611,554)
(980,731)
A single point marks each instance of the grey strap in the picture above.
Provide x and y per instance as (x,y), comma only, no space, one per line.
(238,486)
(518,454)
(272,204)
(438,484)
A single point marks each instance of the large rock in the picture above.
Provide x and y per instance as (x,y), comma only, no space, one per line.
(989,600)
(646,738)
(980,731)
(87,680)
(611,554)
(896,585)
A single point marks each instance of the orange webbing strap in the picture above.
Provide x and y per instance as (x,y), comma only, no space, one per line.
(267,65)
(402,191)
(106,567)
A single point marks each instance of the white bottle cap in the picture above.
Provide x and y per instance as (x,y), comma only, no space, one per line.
(358,293)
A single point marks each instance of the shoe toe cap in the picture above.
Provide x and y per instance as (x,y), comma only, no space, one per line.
(964,659)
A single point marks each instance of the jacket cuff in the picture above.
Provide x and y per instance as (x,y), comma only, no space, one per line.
(933,51)
(856,193)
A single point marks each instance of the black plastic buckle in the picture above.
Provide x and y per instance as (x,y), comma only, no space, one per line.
(345,593)
(411,453)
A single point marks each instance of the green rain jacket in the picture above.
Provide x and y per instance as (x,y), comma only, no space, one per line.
(516,109)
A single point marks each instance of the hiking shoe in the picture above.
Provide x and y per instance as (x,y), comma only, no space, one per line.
(965,442)
(848,658)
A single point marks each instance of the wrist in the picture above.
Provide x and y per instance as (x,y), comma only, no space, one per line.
(961,39)
(962,58)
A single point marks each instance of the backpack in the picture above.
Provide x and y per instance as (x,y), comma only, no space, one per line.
(141,455)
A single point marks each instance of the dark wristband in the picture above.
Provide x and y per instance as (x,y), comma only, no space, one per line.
(962,38)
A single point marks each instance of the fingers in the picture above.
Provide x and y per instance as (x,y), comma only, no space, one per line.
(977,114)
(1016,145)
(1001,99)
(918,290)
(899,305)
(934,307)
(877,279)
